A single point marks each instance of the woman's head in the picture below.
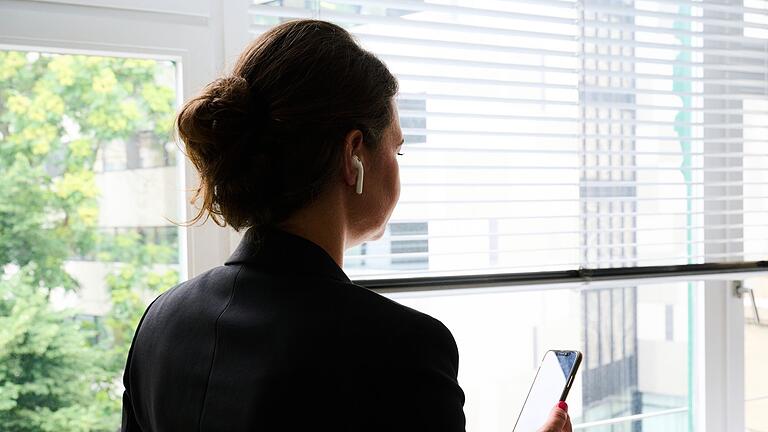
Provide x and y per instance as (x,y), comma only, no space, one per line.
(269,138)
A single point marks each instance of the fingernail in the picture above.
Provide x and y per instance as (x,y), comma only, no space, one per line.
(563,406)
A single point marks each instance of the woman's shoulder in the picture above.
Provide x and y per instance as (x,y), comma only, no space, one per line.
(409,325)
(368,297)
(320,301)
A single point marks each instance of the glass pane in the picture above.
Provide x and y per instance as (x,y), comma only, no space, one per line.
(89,187)
(755,353)
(634,341)
(576,154)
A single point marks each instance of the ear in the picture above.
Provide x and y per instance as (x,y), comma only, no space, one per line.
(353,146)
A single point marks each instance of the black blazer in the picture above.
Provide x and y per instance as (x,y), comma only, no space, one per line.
(279,339)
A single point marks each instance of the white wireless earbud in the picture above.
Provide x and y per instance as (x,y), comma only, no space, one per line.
(360,173)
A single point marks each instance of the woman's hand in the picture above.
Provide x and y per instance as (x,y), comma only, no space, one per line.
(559,420)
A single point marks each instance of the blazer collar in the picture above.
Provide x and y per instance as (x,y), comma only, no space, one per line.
(285,252)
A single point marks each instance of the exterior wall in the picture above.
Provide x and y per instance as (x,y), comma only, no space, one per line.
(138,198)
(92,297)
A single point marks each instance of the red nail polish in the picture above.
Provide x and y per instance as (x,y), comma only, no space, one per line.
(563,406)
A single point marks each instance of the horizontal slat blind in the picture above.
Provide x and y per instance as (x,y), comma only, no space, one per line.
(552,135)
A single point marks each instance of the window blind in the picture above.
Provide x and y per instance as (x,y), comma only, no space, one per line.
(556,134)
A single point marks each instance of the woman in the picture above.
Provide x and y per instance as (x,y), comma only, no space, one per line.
(299,145)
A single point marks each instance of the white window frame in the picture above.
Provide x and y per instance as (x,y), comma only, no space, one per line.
(719,358)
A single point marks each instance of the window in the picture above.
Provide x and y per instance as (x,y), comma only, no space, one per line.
(413,117)
(552,140)
(90,182)
(565,139)
(145,149)
(613,122)
(405,247)
(89,238)
(630,365)
(410,248)
(112,242)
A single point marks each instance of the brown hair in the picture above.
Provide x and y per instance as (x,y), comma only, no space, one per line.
(267,138)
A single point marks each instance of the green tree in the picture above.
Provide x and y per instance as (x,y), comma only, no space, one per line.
(58,372)
(135,280)
(49,380)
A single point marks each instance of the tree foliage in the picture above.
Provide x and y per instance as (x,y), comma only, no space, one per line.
(50,377)
(58,371)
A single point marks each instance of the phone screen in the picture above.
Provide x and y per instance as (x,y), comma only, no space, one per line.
(552,382)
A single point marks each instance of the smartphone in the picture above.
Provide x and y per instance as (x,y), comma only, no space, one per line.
(552,382)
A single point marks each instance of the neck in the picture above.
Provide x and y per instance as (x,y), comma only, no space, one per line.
(320,224)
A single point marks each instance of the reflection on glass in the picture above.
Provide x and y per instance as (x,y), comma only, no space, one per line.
(502,337)
(88,186)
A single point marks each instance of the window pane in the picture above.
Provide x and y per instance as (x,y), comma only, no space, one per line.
(557,135)
(634,341)
(89,187)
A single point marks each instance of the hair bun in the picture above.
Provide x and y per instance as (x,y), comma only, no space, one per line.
(226,100)
(228,88)
(213,123)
